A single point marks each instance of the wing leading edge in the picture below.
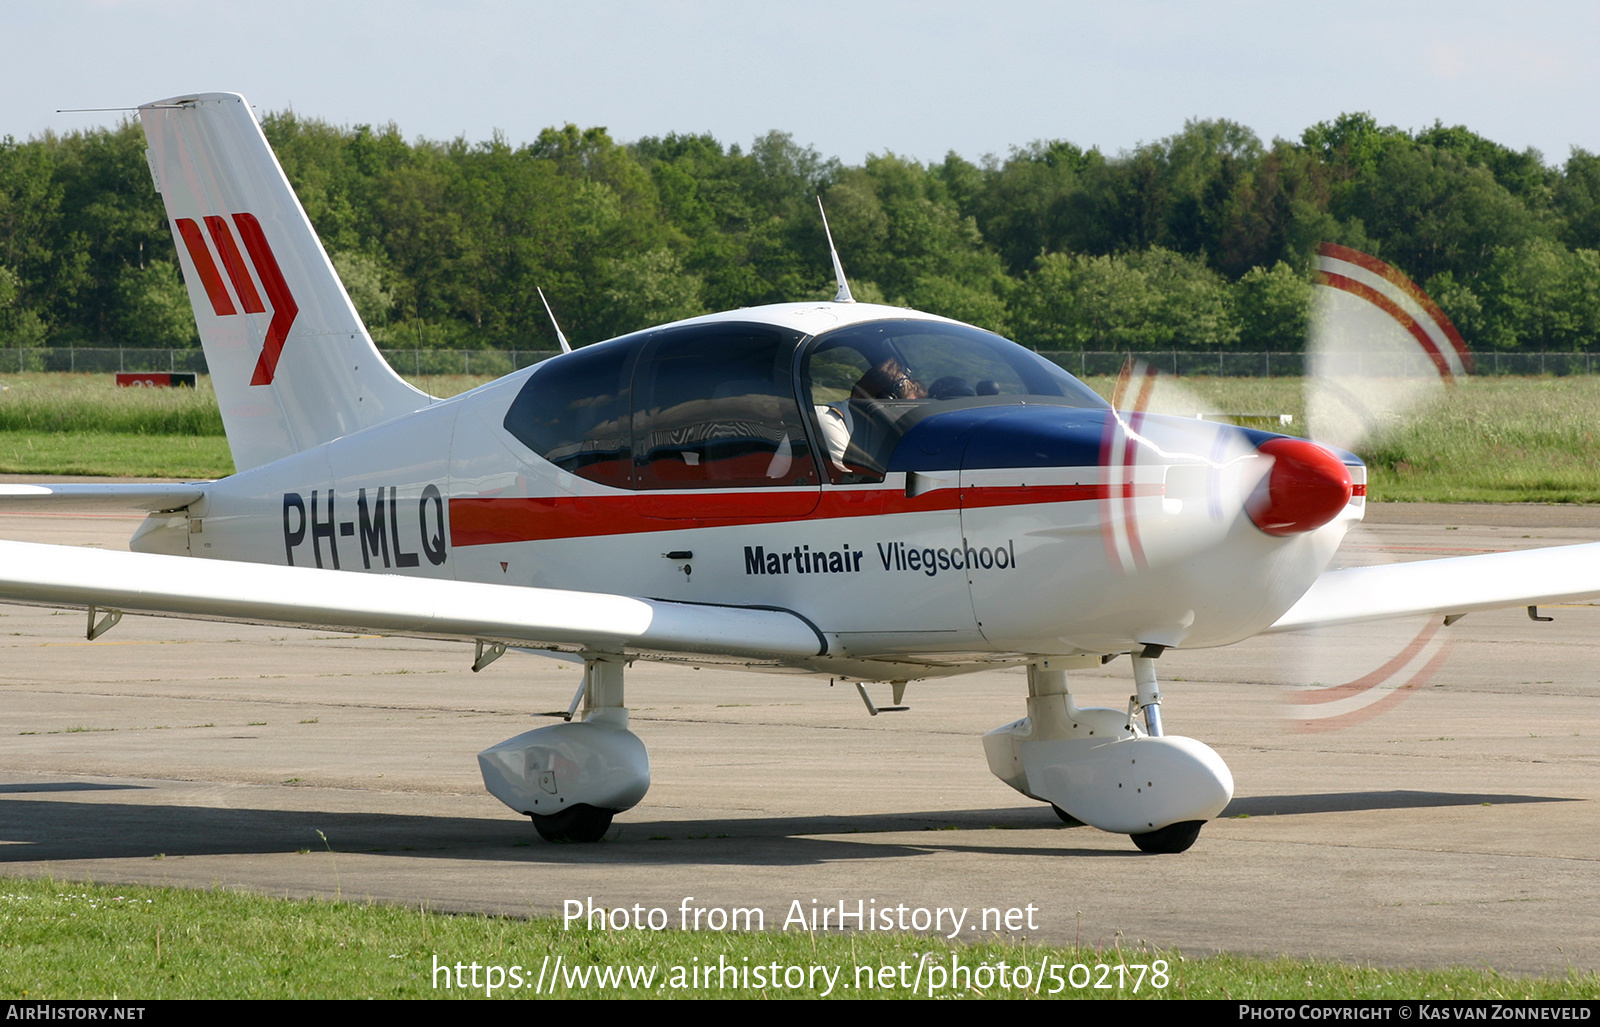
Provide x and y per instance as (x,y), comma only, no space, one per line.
(1461,584)
(388,604)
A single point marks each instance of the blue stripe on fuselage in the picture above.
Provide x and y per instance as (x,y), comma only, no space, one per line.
(1010,436)
(1034,436)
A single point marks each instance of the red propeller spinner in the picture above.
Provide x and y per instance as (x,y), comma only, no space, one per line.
(1306,488)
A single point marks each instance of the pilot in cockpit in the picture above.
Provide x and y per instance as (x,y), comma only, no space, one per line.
(888,379)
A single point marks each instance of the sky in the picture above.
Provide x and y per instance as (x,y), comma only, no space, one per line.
(918,79)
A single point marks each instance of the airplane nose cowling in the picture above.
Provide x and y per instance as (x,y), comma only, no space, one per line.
(1306,488)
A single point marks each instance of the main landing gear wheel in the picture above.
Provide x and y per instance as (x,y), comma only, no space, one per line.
(579,823)
(1170,839)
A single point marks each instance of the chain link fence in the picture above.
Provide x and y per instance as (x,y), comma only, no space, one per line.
(1280,365)
(112,359)
(100,359)
(1084,363)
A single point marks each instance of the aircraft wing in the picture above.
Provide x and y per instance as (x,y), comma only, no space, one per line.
(1460,584)
(198,589)
(150,496)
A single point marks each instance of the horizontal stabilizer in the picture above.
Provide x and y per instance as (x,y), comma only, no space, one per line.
(1461,584)
(153,497)
(392,605)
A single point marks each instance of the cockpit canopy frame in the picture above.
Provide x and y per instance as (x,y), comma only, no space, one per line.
(733,404)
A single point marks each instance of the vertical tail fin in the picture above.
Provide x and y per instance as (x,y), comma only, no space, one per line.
(292,364)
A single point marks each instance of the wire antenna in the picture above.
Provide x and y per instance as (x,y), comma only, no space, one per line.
(843,295)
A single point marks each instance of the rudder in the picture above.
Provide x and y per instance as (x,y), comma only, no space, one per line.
(292,363)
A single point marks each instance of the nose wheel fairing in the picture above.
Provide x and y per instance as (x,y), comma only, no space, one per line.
(1127,785)
(1097,766)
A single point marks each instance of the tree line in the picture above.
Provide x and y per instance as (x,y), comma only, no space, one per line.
(1201,240)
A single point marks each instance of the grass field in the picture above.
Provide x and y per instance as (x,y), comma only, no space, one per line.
(1501,440)
(83,941)
(54,424)
(1488,440)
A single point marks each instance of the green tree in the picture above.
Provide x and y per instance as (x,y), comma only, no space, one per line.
(446,242)
(1154,299)
(1522,173)
(363,278)
(1577,200)
(1541,296)
(647,289)
(1274,308)
(30,200)
(1034,203)
(897,226)
(1463,306)
(109,220)
(1434,212)
(426,242)
(1077,301)
(956,299)
(19,326)
(1193,308)
(153,308)
(1351,144)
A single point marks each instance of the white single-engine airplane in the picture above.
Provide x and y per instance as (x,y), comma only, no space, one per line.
(841,489)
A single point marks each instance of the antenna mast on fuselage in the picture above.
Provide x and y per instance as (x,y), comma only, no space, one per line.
(565,346)
(843,295)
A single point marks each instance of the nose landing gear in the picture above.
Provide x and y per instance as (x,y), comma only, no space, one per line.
(1097,766)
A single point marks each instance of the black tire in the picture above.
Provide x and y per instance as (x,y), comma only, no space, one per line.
(1170,839)
(1066,818)
(579,823)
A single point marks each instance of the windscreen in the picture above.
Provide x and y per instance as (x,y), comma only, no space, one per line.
(871,383)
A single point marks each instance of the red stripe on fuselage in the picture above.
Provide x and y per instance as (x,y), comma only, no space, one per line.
(479,521)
